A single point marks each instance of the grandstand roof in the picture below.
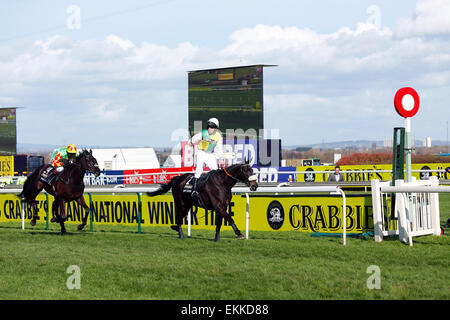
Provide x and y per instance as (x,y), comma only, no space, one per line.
(126,158)
(173,161)
(234,67)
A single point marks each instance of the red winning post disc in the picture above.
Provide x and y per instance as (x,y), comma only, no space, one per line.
(406,102)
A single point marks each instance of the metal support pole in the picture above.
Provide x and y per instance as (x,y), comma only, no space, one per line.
(23,214)
(408,163)
(139,212)
(46,211)
(91,213)
(189,222)
(408,148)
(247,216)
(344,216)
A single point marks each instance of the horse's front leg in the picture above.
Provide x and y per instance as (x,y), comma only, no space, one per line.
(62,209)
(62,214)
(55,214)
(219,219)
(35,213)
(87,211)
(180,213)
(232,224)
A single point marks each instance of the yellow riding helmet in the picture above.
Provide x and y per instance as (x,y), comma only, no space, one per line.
(71,148)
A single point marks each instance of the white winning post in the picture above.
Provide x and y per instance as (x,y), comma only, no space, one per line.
(416,210)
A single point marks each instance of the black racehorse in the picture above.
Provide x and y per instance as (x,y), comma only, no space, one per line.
(68,186)
(214,195)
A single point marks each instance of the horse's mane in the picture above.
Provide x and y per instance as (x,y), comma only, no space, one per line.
(233,166)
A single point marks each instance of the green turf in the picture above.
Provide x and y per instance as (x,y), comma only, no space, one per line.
(118,263)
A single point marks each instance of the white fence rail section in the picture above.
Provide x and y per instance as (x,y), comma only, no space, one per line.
(415,211)
(332,190)
(161,177)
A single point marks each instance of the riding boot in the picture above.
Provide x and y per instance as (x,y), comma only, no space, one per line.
(46,175)
(194,192)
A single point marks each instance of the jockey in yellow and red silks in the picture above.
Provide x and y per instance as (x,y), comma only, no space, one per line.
(59,158)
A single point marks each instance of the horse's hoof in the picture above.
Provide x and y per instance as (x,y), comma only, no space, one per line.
(175,228)
(33,222)
(240,237)
(54,220)
(81,227)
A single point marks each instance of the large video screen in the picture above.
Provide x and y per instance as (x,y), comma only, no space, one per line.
(8,140)
(232,95)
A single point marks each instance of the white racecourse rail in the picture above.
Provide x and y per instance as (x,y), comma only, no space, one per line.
(140,177)
(416,210)
(236,190)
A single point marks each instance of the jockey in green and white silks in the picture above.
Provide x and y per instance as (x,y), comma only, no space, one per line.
(209,149)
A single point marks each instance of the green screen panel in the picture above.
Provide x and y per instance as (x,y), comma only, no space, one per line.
(232,95)
(8,140)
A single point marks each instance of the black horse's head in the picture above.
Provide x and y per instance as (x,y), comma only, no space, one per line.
(88,162)
(247,176)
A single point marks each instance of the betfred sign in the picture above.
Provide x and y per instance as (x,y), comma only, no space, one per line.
(262,152)
(243,150)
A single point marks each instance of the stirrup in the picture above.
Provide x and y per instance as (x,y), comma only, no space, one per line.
(45,180)
(195,194)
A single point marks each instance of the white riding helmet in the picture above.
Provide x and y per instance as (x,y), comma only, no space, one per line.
(213,122)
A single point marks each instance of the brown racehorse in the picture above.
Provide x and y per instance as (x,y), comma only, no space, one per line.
(68,186)
(214,195)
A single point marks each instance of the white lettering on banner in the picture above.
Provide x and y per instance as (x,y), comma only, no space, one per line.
(134,179)
(249,153)
(188,155)
(243,152)
(228,149)
(162,177)
(102,179)
(266,174)
(238,150)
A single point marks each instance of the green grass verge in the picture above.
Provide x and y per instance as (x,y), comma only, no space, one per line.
(118,263)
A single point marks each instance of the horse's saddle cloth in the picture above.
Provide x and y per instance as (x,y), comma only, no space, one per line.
(200,182)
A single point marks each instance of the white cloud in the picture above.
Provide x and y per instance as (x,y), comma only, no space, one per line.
(103,112)
(122,43)
(117,81)
(431,17)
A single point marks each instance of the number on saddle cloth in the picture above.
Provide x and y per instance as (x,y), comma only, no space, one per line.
(200,182)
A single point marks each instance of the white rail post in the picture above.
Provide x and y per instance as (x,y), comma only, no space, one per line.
(189,222)
(402,209)
(344,216)
(434,208)
(376,205)
(23,214)
(247,216)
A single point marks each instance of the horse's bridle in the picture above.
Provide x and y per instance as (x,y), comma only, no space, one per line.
(90,166)
(249,179)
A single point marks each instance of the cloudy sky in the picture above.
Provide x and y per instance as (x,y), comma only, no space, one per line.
(115,74)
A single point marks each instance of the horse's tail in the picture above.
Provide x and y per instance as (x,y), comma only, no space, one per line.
(27,189)
(26,186)
(163,188)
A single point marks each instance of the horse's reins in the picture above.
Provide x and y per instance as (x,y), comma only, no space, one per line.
(251,178)
(77,164)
